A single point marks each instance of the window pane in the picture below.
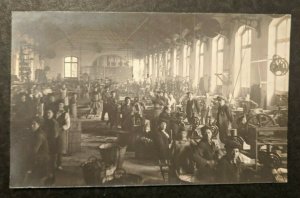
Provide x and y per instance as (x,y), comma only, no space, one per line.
(201,63)
(67,70)
(68,59)
(74,59)
(282,83)
(219,66)
(245,70)
(220,43)
(202,48)
(282,30)
(74,69)
(246,38)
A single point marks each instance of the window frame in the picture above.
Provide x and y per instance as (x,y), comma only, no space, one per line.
(71,62)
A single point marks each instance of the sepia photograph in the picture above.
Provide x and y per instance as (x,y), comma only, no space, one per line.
(148,98)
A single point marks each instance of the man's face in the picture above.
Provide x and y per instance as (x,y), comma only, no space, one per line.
(127,101)
(49,115)
(34,126)
(190,96)
(235,153)
(207,135)
(113,94)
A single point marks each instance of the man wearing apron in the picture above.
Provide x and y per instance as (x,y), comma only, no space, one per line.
(63,119)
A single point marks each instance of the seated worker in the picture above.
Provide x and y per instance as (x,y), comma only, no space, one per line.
(229,166)
(205,155)
(181,154)
(161,141)
(38,171)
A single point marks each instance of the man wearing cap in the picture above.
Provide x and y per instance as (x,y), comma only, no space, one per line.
(229,166)
(224,118)
(205,154)
(192,107)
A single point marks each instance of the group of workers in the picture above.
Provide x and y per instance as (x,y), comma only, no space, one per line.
(50,115)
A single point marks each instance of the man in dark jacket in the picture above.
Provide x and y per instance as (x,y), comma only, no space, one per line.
(192,107)
(105,98)
(51,127)
(224,119)
(162,142)
(113,110)
(38,171)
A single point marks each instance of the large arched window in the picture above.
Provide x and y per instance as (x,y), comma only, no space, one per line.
(187,60)
(168,62)
(282,48)
(220,58)
(245,58)
(242,69)
(178,52)
(70,67)
(217,61)
(279,44)
(150,62)
(199,67)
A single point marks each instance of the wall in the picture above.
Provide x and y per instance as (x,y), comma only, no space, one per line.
(260,61)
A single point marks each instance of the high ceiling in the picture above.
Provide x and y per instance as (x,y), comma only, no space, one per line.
(99,31)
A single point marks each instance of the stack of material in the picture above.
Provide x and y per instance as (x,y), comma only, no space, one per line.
(74,136)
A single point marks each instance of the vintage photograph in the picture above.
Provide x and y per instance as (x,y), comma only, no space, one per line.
(148,98)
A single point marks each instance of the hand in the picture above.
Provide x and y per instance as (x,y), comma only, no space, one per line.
(29,172)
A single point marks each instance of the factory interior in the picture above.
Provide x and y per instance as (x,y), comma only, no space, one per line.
(110,99)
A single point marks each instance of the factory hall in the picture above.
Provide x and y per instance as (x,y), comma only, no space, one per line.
(147,98)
